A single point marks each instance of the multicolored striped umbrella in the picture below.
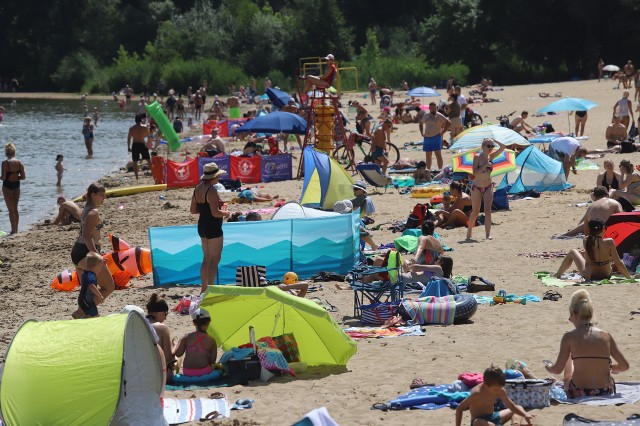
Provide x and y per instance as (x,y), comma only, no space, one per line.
(503,163)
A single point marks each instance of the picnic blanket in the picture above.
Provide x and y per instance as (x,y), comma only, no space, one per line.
(425,398)
(572,419)
(431,309)
(626,393)
(510,298)
(576,280)
(221,382)
(178,411)
(380,333)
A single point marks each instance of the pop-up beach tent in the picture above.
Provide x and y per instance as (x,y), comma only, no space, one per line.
(96,371)
(293,210)
(325,181)
(536,170)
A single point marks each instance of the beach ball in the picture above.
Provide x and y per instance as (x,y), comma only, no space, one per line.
(290,278)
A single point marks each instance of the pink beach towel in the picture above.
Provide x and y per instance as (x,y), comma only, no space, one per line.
(431,310)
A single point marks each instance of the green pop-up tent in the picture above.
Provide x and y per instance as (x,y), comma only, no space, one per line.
(97,371)
(272,312)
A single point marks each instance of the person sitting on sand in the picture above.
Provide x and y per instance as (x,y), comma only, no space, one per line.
(89,295)
(361,200)
(68,212)
(214,145)
(610,179)
(199,349)
(157,313)
(458,213)
(421,175)
(344,207)
(518,124)
(594,263)
(616,132)
(629,183)
(567,150)
(423,273)
(429,249)
(481,403)
(586,352)
(602,207)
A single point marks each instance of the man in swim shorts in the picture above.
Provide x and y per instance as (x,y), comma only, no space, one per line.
(68,212)
(616,132)
(138,149)
(518,124)
(234,106)
(379,145)
(432,126)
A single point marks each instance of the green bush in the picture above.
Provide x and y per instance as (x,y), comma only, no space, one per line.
(74,70)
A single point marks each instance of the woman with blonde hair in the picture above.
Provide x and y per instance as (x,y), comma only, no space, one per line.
(586,352)
(629,183)
(12,172)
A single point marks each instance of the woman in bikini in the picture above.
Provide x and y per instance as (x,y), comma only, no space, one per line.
(458,213)
(610,179)
(199,349)
(629,184)
(594,263)
(482,189)
(89,241)
(429,248)
(11,175)
(586,352)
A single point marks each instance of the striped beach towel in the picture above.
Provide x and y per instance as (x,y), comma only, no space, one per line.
(431,310)
(178,411)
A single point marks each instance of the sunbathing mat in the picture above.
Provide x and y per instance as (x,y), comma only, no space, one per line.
(220,383)
(178,411)
(424,398)
(379,332)
(576,280)
(575,420)
(582,164)
(626,393)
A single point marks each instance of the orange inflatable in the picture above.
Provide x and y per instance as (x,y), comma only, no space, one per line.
(123,262)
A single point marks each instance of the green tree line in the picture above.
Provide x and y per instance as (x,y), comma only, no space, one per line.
(101,45)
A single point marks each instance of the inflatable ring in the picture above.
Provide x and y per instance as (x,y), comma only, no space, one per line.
(466,306)
(427,191)
(181,378)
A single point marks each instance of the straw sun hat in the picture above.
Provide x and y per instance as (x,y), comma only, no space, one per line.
(211,171)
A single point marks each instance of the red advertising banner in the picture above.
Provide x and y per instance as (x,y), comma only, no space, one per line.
(183,174)
(223,128)
(247,169)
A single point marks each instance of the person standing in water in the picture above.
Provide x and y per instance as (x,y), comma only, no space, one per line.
(87,132)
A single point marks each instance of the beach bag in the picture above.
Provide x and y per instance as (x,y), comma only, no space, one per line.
(500,200)
(627,147)
(529,393)
(419,214)
(378,313)
(476,284)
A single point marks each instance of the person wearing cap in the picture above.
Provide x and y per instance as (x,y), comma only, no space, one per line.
(206,202)
(326,80)
(68,212)
(157,313)
(199,349)
(344,207)
(214,145)
(133,308)
(361,200)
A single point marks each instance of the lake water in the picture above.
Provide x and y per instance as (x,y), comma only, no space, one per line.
(41,129)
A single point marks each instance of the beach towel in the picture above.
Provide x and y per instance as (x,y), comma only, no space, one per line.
(223,381)
(626,393)
(577,280)
(545,254)
(425,398)
(583,164)
(318,417)
(178,411)
(380,333)
(431,310)
(572,419)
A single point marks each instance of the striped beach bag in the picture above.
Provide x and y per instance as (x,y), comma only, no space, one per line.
(378,313)
(251,276)
(430,310)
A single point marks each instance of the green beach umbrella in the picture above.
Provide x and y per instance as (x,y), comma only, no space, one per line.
(273,312)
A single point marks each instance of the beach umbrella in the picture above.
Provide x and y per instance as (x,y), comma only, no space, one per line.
(473,137)
(276,122)
(611,68)
(624,229)
(421,92)
(278,97)
(568,104)
(273,312)
(503,163)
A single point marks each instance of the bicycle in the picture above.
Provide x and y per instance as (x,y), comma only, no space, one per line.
(471,118)
(359,151)
(505,120)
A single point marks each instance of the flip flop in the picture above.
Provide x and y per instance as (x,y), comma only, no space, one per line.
(551,295)
(419,383)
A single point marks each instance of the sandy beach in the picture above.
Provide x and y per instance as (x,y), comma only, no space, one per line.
(382,368)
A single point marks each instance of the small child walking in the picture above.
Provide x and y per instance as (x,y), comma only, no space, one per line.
(481,402)
(89,293)
(59,168)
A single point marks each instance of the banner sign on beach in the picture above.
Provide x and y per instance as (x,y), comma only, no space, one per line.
(247,169)
(223,163)
(276,167)
(222,126)
(182,174)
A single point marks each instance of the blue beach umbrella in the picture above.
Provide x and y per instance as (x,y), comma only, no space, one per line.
(278,97)
(276,122)
(546,138)
(421,92)
(568,104)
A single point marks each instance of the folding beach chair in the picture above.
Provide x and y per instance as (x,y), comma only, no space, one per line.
(389,289)
(372,174)
(251,276)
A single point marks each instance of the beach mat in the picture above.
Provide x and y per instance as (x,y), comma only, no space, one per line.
(220,383)
(572,419)
(177,411)
(626,393)
(424,398)
(551,281)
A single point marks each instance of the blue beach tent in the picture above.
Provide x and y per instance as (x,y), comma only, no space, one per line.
(536,170)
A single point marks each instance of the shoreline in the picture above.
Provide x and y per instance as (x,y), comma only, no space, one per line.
(382,368)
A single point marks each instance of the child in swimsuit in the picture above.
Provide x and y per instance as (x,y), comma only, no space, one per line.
(89,295)
(482,401)
(199,349)
(59,168)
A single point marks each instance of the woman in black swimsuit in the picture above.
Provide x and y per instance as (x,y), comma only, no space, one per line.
(581,121)
(205,201)
(12,174)
(586,352)
(594,263)
(610,179)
